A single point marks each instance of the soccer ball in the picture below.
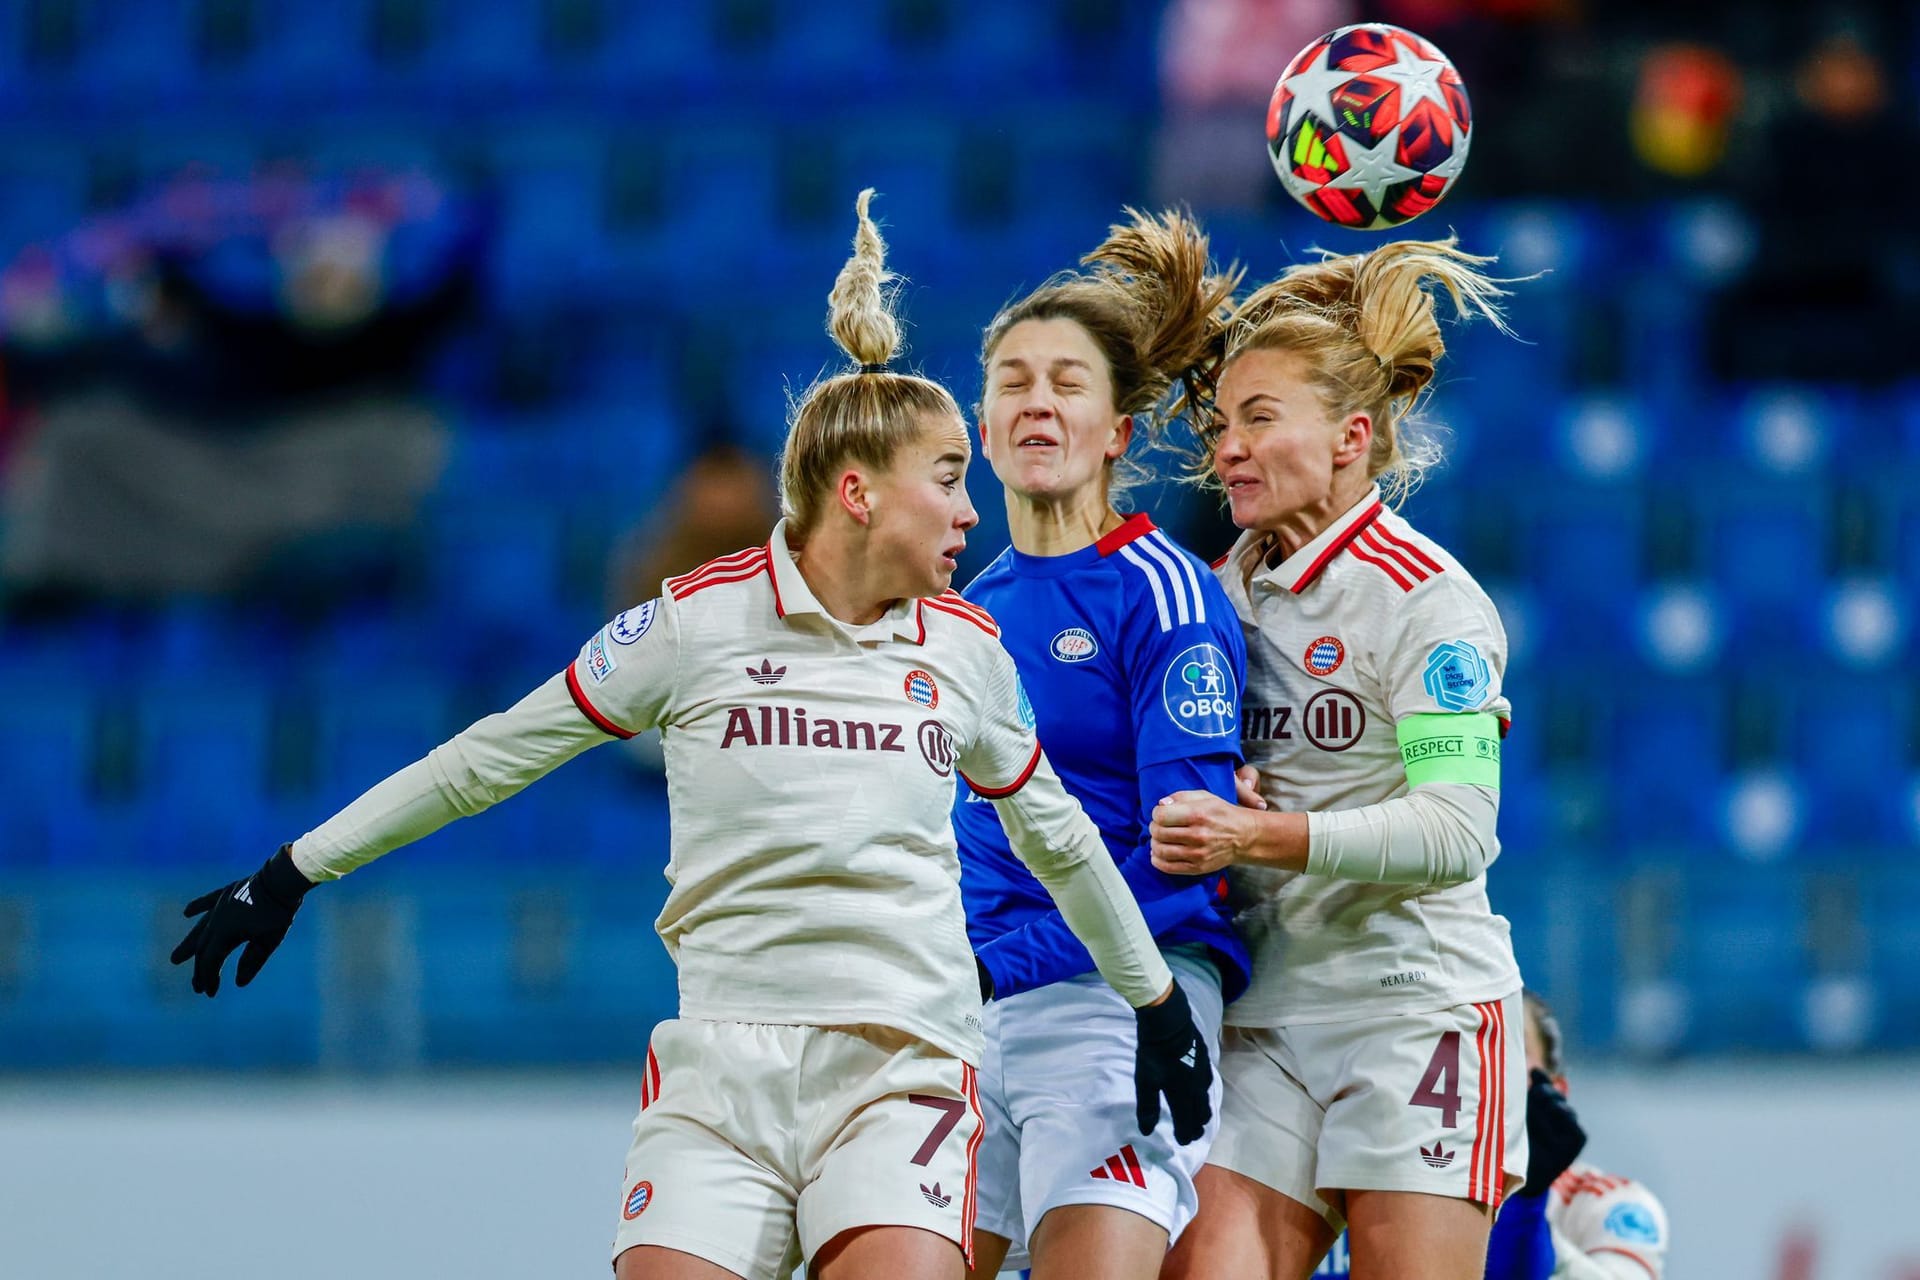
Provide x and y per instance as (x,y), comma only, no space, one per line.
(1369,126)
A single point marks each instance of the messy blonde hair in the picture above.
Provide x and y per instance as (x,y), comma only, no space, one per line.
(1367,328)
(861,415)
(1156,307)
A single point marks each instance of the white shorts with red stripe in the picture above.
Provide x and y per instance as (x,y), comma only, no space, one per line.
(1057,1089)
(1432,1102)
(757,1144)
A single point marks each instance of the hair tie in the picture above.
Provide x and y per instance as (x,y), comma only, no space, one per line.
(879,366)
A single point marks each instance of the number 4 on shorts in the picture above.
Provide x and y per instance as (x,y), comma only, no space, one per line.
(951,1109)
(1440,1086)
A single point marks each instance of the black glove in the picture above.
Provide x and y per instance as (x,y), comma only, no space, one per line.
(257,911)
(1554,1135)
(1171,1058)
(986,980)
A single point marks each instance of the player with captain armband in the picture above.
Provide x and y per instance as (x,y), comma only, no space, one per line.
(1133,659)
(1373,1075)
(816,1098)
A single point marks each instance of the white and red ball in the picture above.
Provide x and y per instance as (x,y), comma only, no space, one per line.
(1369,126)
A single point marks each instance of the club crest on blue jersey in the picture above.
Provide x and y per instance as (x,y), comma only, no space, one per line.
(921,690)
(1199,695)
(1075,644)
(633,624)
(1633,1222)
(637,1200)
(1457,677)
(600,663)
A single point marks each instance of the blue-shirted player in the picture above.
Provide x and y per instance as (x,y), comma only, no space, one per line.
(1133,660)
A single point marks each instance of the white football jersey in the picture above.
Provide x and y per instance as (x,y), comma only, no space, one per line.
(1600,1216)
(1366,624)
(810,769)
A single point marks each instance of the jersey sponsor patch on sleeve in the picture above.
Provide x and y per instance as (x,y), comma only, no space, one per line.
(1633,1222)
(1025,709)
(1457,677)
(1199,695)
(634,623)
(600,663)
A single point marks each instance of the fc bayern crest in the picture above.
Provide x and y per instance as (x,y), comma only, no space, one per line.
(1324,656)
(637,1200)
(921,690)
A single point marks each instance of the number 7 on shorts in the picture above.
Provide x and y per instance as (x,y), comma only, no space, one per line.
(950,1109)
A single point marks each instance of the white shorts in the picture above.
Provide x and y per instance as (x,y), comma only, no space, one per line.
(1433,1102)
(1056,1085)
(757,1144)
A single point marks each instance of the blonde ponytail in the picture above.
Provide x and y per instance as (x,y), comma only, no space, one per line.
(862,415)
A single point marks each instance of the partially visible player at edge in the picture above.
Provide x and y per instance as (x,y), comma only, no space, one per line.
(1602,1226)
(816,1097)
(1134,662)
(1373,1074)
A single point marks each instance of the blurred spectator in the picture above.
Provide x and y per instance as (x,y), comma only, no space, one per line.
(723,502)
(1830,292)
(1220,60)
(222,371)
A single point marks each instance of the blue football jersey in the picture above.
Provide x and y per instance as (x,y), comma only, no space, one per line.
(1133,659)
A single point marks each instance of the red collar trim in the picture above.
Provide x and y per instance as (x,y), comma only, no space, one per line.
(1134,527)
(1335,547)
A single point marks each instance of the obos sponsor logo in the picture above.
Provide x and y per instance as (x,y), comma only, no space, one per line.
(1075,645)
(1199,694)
(1457,677)
(1324,656)
(936,745)
(637,1200)
(921,690)
(633,624)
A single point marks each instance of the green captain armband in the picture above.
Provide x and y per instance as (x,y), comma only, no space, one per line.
(1451,748)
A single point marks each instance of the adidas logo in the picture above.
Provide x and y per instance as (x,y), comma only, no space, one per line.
(1122,1167)
(244,893)
(1436,1158)
(767,672)
(1188,1058)
(934,1198)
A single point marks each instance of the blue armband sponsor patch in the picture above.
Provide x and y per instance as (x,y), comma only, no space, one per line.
(1199,694)
(633,624)
(1457,678)
(1633,1222)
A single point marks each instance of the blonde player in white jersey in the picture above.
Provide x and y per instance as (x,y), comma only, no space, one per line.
(1374,1073)
(815,1100)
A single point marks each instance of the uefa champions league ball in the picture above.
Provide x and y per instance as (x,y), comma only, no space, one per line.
(1369,126)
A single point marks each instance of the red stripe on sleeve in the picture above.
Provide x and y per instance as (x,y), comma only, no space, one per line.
(1001,793)
(588,710)
(1381,531)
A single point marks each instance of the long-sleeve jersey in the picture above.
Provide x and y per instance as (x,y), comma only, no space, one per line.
(1373,657)
(810,769)
(1134,662)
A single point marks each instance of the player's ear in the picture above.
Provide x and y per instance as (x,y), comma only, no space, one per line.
(1122,436)
(980,424)
(1356,440)
(855,495)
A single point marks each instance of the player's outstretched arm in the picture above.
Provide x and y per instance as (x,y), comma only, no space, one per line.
(482,765)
